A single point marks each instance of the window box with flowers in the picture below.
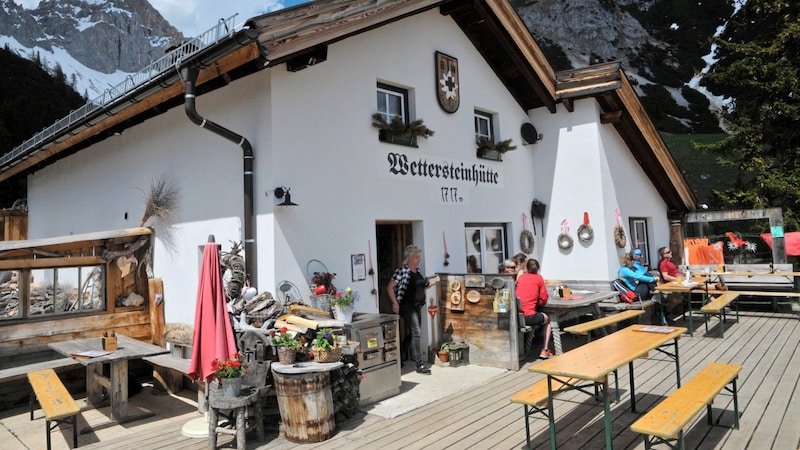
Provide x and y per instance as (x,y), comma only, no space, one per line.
(399,132)
(493,150)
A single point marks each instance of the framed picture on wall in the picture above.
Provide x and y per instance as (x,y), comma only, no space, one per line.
(358,267)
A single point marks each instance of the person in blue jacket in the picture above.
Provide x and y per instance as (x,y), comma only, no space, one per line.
(636,279)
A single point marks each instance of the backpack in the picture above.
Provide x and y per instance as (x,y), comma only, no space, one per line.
(626,294)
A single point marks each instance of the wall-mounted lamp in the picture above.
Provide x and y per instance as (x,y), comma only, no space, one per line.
(283,192)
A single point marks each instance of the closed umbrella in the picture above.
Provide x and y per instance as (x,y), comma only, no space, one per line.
(213,334)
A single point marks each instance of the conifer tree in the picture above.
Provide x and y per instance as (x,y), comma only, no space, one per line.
(758,71)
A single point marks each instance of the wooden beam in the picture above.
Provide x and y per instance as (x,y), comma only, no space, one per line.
(610,117)
(42,263)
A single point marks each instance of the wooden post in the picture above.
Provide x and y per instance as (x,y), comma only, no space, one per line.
(156,303)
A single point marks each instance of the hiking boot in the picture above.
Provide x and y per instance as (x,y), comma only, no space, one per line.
(546,354)
(423,370)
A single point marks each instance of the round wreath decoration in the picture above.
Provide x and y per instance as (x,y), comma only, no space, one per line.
(585,233)
(565,241)
(526,242)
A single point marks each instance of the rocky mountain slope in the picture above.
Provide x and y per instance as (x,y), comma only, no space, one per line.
(95,43)
(662,45)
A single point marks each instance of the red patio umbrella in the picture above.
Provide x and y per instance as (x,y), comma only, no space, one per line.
(213,334)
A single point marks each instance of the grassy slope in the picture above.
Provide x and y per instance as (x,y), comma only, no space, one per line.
(700,168)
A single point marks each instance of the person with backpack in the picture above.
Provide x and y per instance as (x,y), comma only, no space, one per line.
(636,280)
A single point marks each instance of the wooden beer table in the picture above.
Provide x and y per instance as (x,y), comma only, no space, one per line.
(593,362)
(117,384)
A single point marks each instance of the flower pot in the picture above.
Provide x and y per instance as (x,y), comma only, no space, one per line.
(231,387)
(444,356)
(286,355)
(327,355)
(343,313)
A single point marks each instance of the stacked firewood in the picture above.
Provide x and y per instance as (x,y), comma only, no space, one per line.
(345,385)
(9,294)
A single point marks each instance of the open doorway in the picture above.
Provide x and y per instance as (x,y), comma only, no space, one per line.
(392,239)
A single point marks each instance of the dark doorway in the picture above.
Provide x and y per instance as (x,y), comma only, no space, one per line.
(392,238)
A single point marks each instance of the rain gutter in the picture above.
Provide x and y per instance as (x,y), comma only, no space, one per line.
(189,75)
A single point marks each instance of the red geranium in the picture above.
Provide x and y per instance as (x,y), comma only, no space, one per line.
(230,368)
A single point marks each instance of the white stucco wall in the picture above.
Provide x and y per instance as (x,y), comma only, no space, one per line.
(311,132)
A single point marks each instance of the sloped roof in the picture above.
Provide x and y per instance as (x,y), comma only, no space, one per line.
(493,27)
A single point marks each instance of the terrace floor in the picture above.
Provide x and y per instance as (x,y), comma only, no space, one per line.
(767,345)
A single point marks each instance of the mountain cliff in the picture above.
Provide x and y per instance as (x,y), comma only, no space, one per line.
(96,43)
(662,45)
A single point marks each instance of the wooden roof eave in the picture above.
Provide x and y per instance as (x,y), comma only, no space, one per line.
(64,243)
(665,173)
(297,30)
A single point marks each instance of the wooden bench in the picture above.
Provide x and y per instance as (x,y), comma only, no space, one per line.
(586,328)
(717,307)
(535,400)
(666,421)
(168,371)
(56,402)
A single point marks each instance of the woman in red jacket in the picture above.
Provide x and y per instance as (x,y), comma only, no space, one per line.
(532,293)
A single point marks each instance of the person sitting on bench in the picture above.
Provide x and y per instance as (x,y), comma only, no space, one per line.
(637,281)
(532,293)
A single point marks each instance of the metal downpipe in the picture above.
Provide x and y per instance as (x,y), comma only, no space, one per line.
(189,76)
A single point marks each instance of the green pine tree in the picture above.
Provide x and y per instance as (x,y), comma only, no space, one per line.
(758,69)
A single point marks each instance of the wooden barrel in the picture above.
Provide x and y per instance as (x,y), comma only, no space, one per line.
(306,406)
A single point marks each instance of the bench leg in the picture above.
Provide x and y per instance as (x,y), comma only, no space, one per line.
(722,323)
(735,404)
(527,427)
(607,414)
(32,401)
(74,420)
(47,424)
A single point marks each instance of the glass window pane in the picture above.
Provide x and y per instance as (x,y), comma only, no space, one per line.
(9,294)
(486,247)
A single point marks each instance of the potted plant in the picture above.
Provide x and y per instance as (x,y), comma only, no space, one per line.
(230,373)
(444,352)
(398,132)
(323,282)
(342,305)
(493,150)
(286,344)
(326,346)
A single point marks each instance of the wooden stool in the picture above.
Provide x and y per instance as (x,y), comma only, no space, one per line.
(238,407)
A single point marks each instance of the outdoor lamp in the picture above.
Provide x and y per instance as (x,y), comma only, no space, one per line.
(283,192)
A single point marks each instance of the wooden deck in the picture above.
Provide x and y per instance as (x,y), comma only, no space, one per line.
(765,344)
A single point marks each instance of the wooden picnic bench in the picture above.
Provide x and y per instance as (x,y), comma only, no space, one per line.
(534,398)
(586,328)
(717,308)
(169,371)
(666,421)
(56,402)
